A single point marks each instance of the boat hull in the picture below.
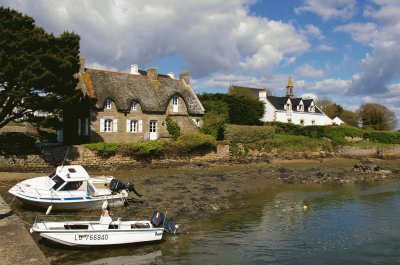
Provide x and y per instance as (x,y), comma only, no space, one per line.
(106,237)
(91,202)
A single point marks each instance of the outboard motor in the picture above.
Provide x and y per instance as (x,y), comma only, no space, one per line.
(171,227)
(116,185)
(159,220)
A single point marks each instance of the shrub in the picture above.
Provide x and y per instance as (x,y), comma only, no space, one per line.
(144,150)
(173,128)
(214,124)
(104,150)
(248,134)
(194,142)
(383,137)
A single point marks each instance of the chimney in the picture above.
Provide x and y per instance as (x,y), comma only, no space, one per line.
(186,77)
(152,74)
(171,74)
(134,69)
(82,64)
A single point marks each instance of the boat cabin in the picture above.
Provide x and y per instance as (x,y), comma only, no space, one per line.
(70,178)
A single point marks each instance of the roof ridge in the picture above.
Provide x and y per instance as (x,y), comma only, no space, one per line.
(129,74)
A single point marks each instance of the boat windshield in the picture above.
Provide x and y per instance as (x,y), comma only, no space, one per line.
(52,174)
(72,185)
(59,181)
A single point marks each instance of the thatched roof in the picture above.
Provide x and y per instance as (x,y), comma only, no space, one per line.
(124,88)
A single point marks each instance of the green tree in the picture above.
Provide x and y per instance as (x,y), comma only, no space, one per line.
(173,128)
(37,69)
(377,117)
(240,109)
(349,117)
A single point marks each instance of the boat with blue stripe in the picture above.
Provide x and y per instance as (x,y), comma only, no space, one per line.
(71,188)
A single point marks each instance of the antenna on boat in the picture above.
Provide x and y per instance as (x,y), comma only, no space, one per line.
(65,157)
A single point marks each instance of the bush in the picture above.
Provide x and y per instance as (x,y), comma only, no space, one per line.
(173,128)
(248,134)
(194,142)
(144,150)
(383,137)
(16,139)
(214,124)
(104,150)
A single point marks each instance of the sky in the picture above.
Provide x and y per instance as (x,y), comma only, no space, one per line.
(345,50)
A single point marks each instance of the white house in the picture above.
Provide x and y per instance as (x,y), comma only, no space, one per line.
(290,109)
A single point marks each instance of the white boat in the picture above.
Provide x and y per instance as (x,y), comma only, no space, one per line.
(71,188)
(104,231)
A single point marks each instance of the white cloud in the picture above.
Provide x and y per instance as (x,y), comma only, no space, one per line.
(331,86)
(313,32)
(308,70)
(212,36)
(325,48)
(329,9)
(360,32)
(380,66)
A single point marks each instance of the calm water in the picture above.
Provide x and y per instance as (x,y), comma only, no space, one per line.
(342,225)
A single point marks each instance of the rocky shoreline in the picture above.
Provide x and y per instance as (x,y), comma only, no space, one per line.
(199,190)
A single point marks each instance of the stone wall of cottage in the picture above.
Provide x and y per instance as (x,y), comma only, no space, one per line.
(121,135)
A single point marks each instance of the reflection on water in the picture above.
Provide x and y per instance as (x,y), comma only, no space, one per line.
(144,259)
(342,225)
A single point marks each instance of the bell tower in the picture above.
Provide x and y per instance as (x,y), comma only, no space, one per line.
(289,88)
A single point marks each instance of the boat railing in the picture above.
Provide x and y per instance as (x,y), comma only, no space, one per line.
(65,218)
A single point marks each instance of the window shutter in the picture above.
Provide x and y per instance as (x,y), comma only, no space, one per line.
(128,127)
(101,125)
(86,129)
(115,125)
(79,127)
(140,126)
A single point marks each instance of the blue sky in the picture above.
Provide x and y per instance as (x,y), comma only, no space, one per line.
(346,50)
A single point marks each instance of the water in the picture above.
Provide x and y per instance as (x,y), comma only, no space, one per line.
(342,225)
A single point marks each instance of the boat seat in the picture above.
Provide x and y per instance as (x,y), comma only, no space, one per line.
(140,225)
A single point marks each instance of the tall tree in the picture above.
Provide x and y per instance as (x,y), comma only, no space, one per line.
(378,117)
(37,69)
(349,117)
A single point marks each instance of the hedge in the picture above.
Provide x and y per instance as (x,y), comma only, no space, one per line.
(193,142)
(336,133)
(185,144)
(248,134)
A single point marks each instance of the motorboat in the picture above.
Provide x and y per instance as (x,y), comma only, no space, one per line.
(104,231)
(70,187)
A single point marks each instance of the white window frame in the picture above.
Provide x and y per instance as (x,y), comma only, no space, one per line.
(132,128)
(108,125)
(175,103)
(86,127)
(134,106)
(107,105)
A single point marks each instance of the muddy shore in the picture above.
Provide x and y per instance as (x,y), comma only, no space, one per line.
(191,192)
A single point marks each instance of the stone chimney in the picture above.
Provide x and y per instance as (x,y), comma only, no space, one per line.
(171,74)
(134,69)
(186,77)
(152,74)
(82,64)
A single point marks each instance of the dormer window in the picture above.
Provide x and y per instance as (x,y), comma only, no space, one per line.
(175,106)
(300,107)
(312,109)
(107,105)
(134,106)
